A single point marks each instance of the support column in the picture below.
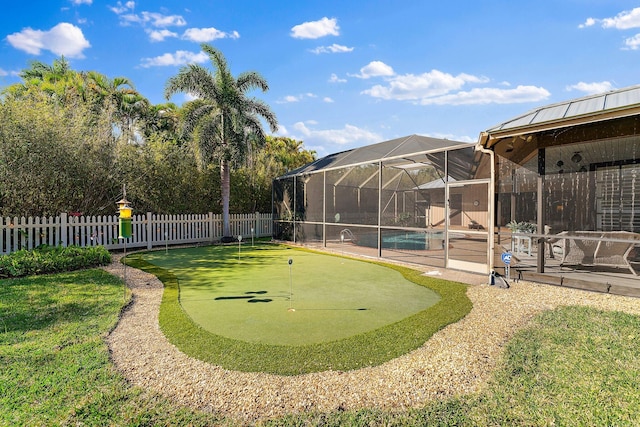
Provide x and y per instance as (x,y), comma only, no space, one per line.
(324,209)
(379,209)
(541,204)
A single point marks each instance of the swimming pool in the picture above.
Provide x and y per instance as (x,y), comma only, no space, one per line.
(404,240)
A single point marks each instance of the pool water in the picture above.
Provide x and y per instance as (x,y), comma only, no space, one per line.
(404,240)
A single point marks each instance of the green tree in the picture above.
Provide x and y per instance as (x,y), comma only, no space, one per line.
(225,117)
(164,177)
(252,182)
(54,158)
(163,119)
(119,95)
(280,155)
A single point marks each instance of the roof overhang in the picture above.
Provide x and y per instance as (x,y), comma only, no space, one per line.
(577,112)
(489,138)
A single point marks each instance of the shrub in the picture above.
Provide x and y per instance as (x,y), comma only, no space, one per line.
(46,259)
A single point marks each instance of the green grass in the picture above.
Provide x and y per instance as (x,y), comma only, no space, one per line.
(55,363)
(366,349)
(247,297)
(572,366)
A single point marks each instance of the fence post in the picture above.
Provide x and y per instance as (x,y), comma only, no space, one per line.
(211,227)
(64,232)
(149,231)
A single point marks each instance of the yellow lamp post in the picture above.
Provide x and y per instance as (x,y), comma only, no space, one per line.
(124,231)
(124,210)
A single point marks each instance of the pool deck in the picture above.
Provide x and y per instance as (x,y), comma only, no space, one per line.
(602,280)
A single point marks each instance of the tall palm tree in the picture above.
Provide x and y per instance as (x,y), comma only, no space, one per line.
(128,105)
(225,118)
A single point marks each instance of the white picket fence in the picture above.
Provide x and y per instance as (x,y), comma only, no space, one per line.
(147,230)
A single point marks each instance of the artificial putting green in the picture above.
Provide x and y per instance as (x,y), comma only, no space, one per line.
(255,295)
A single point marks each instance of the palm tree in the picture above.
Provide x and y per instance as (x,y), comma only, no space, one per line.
(163,118)
(119,93)
(224,117)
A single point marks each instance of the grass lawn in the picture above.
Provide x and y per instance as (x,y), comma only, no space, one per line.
(572,366)
(55,367)
(256,296)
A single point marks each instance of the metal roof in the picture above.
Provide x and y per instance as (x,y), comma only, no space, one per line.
(398,148)
(615,103)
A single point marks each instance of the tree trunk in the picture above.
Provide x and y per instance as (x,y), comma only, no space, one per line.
(225,180)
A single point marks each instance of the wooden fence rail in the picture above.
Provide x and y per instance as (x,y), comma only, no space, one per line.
(148,230)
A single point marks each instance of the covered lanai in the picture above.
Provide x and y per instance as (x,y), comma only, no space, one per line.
(568,190)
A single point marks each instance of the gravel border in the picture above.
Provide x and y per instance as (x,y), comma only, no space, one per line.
(456,360)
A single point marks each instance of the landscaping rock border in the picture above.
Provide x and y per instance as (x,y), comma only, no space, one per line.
(456,360)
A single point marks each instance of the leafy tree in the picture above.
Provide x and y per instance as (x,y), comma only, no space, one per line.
(59,151)
(118,95)
(54,159)
(280,155)
(224,117)
(163,119)
(253,181)
(164,177)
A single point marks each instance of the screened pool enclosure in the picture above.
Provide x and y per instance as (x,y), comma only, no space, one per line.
(558,187)
(389,200)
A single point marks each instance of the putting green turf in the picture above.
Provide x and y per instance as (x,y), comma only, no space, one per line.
(245,295)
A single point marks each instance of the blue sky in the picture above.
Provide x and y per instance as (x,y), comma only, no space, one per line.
(343,73)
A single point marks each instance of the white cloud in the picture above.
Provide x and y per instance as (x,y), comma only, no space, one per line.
(440,88)
(327,99)
(160,35)
(296,98)
(3,73)
(63,39)
(489,95)
(622,21)
(79,2)
(347,135)
(202,35)
(290,98)
(181,57)
(412,87)
(335,79)
(334,48)
(590,22)
(632,43)
(374,69)
(316,29)
(592,88)
(154,19)
(122,8)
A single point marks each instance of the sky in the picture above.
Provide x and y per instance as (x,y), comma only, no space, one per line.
(347,73)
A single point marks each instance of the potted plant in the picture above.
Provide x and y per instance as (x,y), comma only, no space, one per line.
(521,227)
